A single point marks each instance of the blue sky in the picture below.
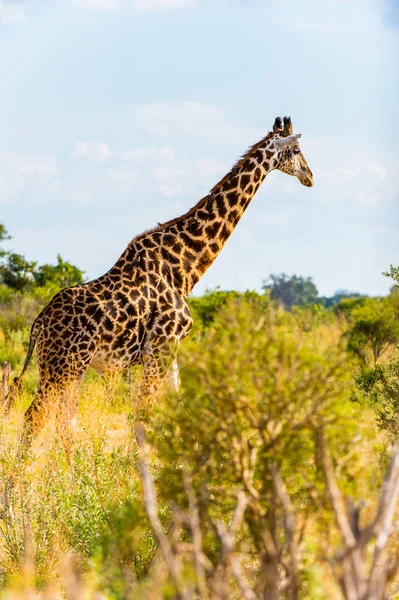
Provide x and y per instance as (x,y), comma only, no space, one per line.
(117,114)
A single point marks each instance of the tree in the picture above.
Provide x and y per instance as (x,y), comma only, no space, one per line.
(374,328)
(16,272)
(204,308)
(4,235)
(338,296)
(20,274)
(243,455)
(292,291)
(393,273)
(62,274)
(381,384)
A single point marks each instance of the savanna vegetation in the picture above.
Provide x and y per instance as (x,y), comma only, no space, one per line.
(272,474)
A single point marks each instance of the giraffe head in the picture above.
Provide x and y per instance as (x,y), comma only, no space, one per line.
(290,159)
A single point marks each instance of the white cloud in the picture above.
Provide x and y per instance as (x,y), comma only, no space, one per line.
(97,4)
(352,174)
(12,13)
(365,199)
(322,25)
(159,4)
(80,197)
(378,170)
(93,151)
(111,5)
(193,120)
(19,173)
(144,155)
(347,176)
(43,170)
(123,177)
(188,177)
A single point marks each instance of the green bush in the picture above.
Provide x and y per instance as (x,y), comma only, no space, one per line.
(381,385)
(374,328)
(256,392)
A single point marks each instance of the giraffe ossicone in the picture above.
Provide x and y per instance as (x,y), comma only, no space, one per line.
(137,312)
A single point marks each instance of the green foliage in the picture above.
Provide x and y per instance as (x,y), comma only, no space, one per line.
(204,308)
(374,328)
(62,274)
(347,305)
(338,298)
(85,499)
(301,291)
(19,274)
(255,392)
(393,273)
(4,235)
(16,272)
(381,385)
(292,291)
(245,380)
(17,313)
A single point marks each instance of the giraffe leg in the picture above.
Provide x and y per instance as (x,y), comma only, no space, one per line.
(64,393)
(34,413)
(156,369)
(151,380)
(70,400)
(174,381)
(158,355)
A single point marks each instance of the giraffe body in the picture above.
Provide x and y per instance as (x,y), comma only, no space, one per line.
(137,312)
(110,324)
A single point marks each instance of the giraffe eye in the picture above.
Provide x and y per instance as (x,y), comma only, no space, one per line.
(296,151)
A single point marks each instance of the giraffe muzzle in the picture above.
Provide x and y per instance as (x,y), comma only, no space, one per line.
(306,177)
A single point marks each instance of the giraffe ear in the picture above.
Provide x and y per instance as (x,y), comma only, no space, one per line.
(287,142)
(288,130)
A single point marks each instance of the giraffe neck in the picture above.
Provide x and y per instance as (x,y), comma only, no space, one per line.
(205,229)
(185,247)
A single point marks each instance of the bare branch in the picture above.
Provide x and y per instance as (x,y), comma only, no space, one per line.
(337,501)
(227,537)
(290,527)
(354,583)
(172,561)
(354,577)
(385,512)
(196,534)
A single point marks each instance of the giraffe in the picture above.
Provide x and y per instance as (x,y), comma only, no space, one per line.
(137,312)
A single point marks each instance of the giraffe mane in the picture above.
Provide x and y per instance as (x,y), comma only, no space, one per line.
(192,210)
(235,168)
(242,160)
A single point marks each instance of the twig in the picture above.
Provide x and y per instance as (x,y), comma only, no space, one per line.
(196,536)
(385,512)
(172,561)
(227,537)
(354,583)
(354,577)
(289,526)
(337,501)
